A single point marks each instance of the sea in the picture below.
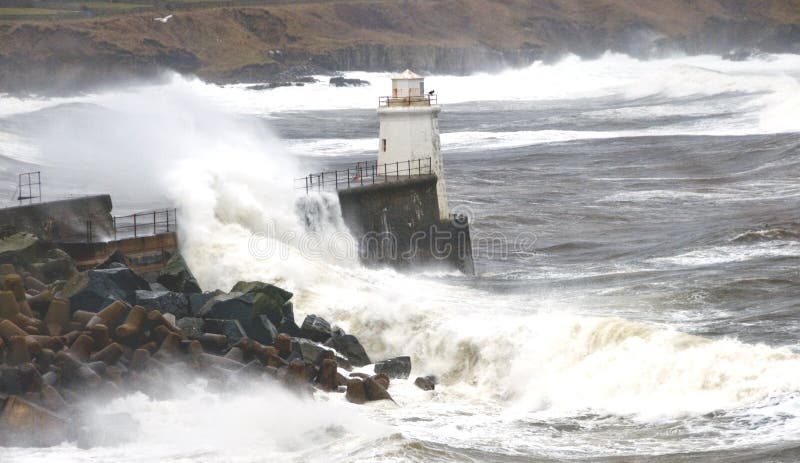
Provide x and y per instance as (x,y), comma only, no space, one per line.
(636,232)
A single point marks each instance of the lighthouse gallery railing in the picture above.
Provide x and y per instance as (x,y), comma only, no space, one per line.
(365,173)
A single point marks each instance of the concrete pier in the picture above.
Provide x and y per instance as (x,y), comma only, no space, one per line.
(398,223)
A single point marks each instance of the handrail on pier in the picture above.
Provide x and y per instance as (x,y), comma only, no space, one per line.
(365,173)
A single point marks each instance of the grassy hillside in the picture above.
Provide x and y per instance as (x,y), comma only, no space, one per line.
(267,40)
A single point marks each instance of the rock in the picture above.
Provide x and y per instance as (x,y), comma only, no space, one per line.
(23,423)
(287,324)
(268,299)
(349,346)
(94,289)
(232,329)
(315,328)
(356,393)
(57,265)
(163,301)
(398,367)
(343,82)
(191,327)
(314,352)
(176,276)
(426,383)
(20,249)
(261,330)
(198,300)
(233,306)
(375,391)
(115,257)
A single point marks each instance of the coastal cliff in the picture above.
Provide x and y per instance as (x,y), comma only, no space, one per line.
(280,41)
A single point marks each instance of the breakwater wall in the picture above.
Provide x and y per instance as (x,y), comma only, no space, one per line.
(63,220)
(398,223)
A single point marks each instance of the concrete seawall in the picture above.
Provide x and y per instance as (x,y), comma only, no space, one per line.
(64,220)
(397,223)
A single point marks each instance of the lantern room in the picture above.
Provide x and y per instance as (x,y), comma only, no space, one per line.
(407,84)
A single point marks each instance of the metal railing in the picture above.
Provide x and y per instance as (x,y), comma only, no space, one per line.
(365,173)
(141,224)
(424,100)
(145,223)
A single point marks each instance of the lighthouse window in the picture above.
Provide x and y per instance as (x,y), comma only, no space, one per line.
(383,145)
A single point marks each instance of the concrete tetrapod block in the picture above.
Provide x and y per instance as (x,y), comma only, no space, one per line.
(24,423)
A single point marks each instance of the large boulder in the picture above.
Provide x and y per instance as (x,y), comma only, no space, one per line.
(20,249)
(191,327)
(230,328)
(233,306)
(198,300)
(314,353)
(261,329)
(114,260)
(398,367)
(56,265)
(95,289)
(349,346)
(287,324)
(268,299)
(164,301)
(177,276)
(315,328)
(426,383)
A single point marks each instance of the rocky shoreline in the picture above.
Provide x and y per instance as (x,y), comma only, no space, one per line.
(288,41)
(69,338)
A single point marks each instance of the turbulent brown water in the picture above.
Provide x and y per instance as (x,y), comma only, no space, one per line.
(637,232)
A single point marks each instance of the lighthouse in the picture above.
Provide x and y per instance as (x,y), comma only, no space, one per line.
(408,137)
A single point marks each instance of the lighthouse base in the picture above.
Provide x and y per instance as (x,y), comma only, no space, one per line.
(399,224)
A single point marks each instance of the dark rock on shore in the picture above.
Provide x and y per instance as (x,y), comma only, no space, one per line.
(426,383)
(164,301)
(349,346)
(261,329)
(94,289)
(237,306)
(343,82)
(176,276)
(20,248)
(198,300)
(268,299)
(398,367)
(316,328)
(191,327)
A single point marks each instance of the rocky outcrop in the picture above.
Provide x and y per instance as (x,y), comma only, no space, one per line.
(280,42)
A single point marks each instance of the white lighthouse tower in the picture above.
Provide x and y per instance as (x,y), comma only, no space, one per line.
(408,139)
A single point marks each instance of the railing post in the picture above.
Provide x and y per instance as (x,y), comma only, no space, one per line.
(155,231)
(336,177)
(348,178)
(307,185)
(409,168)
(134,225)
(397,170)
(419,166)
